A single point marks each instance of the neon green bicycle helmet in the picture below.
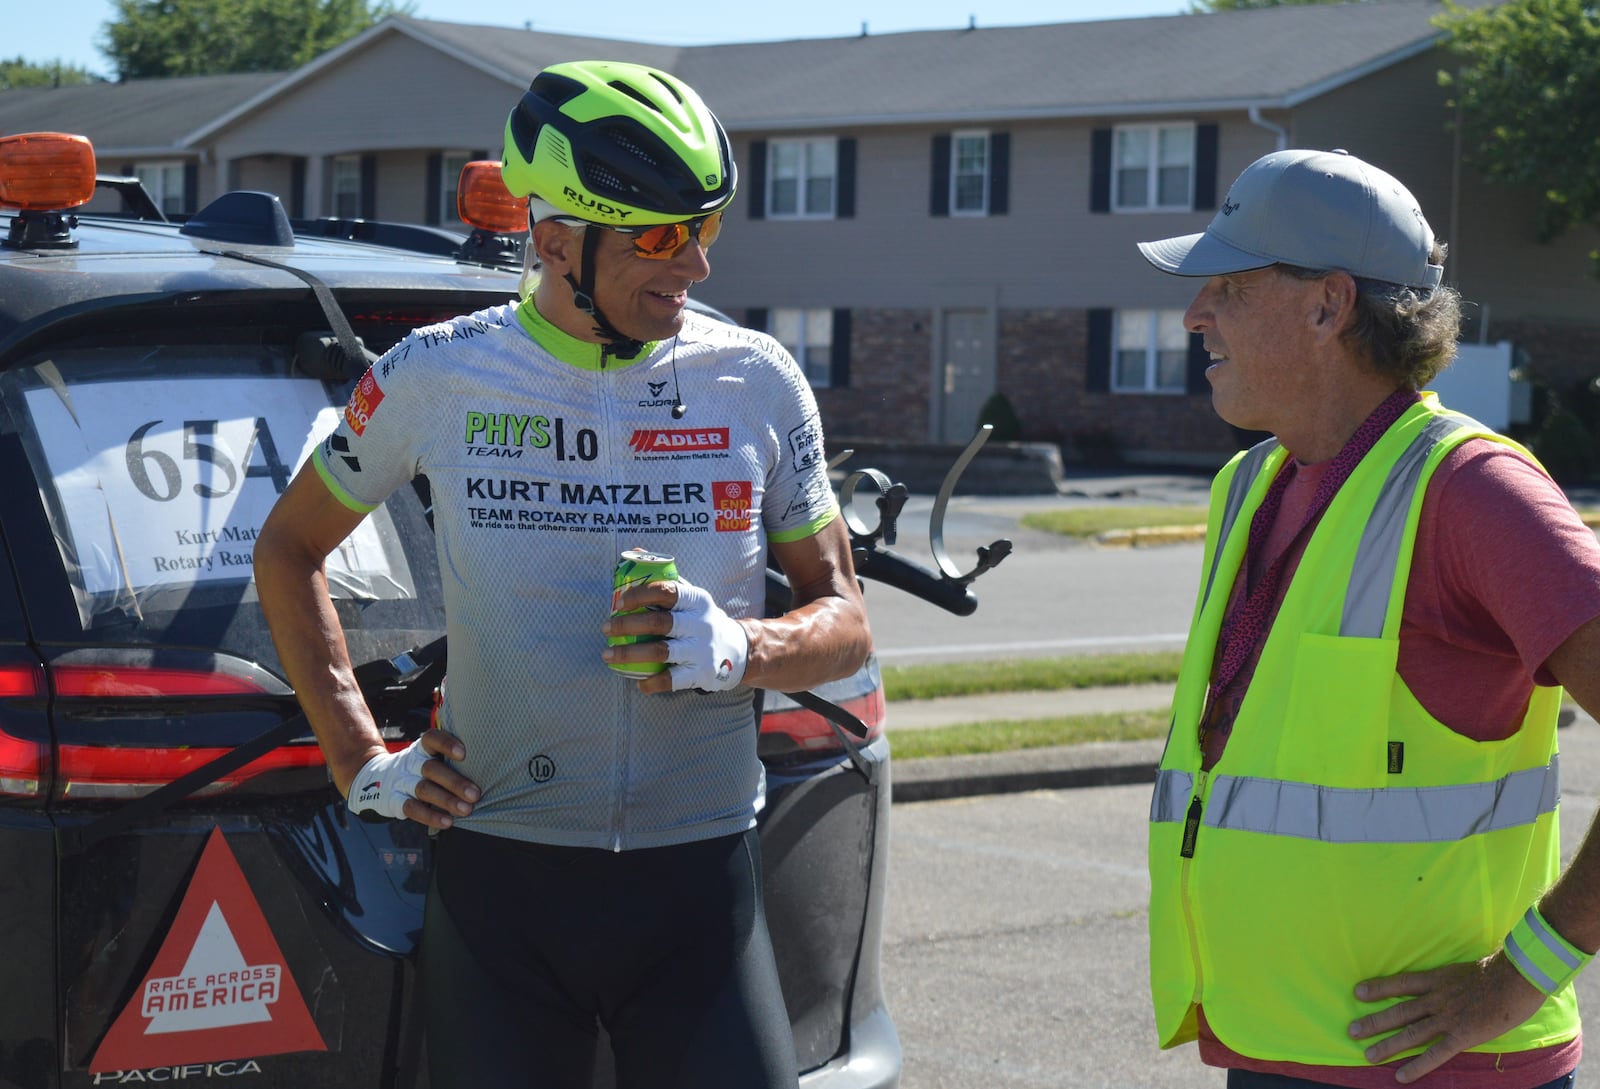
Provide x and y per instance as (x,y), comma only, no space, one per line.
(619,144)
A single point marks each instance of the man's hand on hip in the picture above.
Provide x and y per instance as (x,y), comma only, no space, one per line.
(416,783)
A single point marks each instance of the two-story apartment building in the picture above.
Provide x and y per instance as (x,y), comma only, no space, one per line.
(924,218)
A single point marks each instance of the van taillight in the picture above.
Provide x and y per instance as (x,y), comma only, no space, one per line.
(24,764)
(88,771)
(128,771)
(810,731)
(120,682)
(20,682)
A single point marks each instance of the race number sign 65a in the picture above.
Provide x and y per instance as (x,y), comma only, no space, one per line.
(166,482)
(158,475)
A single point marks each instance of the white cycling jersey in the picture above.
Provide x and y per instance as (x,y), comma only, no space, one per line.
(544,464)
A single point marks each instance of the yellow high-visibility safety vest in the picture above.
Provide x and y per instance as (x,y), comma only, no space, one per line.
(1344,833)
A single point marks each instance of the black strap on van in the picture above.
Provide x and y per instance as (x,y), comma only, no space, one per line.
(841,720)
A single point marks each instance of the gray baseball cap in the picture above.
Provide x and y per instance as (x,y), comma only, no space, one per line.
(1313,209)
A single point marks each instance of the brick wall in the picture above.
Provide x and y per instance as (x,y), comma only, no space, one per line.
(1041,366)
(1043,363)
(888,393)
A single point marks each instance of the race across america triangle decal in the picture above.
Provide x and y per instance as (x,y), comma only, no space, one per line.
(219,988)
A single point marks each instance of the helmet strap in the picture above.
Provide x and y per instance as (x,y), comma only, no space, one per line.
(613,341)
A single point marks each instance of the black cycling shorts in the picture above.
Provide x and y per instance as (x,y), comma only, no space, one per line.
(529,950)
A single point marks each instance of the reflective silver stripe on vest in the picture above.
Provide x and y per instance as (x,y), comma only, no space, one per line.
(1372,577)
(1342,815)
(1441,814)
(1171,797)
(1393,815)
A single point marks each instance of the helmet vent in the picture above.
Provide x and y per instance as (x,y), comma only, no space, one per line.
(607,182)
(555,89)
(560,149)
(633,93)
(671,90)
(626,142)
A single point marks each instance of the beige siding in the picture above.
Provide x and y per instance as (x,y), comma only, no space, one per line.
(1399,118)
(402,186)
(397,94)
(1395,119)
(1505,270)
(267,173)
(1049,250)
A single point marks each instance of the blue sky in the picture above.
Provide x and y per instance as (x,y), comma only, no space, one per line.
(68,29)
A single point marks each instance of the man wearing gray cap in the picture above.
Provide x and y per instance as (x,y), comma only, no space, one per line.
(1355,870)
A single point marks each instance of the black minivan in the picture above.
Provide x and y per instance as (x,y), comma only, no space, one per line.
(184,896)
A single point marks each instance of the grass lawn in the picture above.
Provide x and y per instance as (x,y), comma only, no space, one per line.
(986,737)
(921,682)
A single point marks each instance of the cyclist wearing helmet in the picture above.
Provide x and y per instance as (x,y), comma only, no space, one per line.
(596,863)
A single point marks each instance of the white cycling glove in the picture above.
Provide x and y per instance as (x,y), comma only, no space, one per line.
(387,780)
(706,649)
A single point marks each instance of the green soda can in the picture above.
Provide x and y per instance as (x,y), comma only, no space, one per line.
(634,566)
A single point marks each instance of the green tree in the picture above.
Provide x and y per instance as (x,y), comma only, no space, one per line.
(18,72)
(150,39)
(1528,90)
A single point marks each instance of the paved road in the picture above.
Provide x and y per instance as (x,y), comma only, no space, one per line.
(1015,949)
(1052,596)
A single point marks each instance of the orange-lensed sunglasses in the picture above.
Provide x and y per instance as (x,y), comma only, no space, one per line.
(663,241)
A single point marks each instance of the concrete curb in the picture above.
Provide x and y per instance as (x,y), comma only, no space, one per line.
(1105,763)
(1150,535)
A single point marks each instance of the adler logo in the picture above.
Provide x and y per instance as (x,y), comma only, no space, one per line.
(678,440)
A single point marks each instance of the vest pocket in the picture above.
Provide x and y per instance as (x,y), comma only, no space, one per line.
(1335,725)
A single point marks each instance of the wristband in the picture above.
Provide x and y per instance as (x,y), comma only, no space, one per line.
(1543,957)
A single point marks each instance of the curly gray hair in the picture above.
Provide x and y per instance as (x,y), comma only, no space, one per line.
(1407,333)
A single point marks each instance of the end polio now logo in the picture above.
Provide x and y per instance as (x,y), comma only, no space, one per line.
(731,499)
(364,401)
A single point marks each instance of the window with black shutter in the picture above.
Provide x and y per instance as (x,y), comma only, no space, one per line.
(805,178)
(1153,167)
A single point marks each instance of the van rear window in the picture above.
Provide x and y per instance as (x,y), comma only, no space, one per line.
(157,468)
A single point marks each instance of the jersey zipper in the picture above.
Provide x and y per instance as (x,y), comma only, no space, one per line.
(628,695)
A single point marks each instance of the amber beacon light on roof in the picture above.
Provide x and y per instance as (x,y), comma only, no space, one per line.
(46,171)
(483,200)
(43,175)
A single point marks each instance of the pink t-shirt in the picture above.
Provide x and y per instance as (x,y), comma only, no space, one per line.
(1503,572)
